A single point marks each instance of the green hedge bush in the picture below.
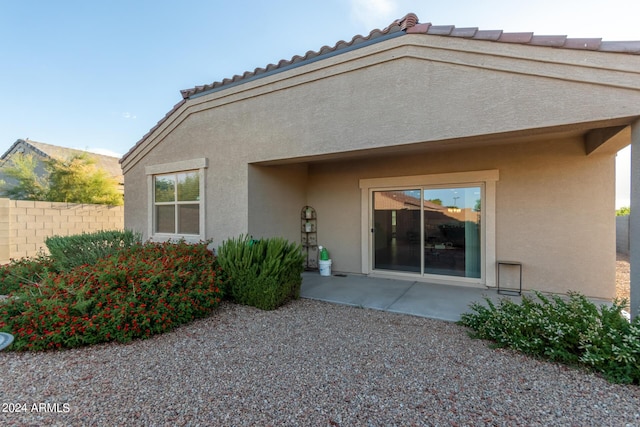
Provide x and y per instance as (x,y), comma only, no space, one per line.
(142,290)
(261,273)
(569,330)
(68,252)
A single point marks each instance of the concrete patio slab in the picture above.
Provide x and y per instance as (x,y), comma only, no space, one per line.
(431,300)
(435,301)
(360,291)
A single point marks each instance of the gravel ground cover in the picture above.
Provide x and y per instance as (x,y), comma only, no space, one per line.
(623,273)
(309,363)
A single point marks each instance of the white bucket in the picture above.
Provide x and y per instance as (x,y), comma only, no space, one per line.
(325,267)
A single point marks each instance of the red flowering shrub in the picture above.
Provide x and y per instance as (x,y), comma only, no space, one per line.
(23,270)
(141,291)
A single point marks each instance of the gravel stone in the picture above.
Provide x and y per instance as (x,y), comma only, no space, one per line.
(308,363)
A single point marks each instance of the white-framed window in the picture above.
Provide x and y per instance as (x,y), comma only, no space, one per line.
(176,200)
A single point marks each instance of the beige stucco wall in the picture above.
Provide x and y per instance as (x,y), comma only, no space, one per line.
(226,190)
(276,198)
(413,105)
(538,220)
(25,225)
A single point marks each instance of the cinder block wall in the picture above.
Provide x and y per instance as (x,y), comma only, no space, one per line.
(622,234)
(24,225)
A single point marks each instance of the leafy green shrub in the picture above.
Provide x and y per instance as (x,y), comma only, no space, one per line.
(625,210)
(87,248)
(571,331)
(612,347)
(140,291)
(262,273)
(23,271)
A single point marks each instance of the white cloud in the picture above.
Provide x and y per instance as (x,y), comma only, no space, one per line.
(128,115)
(374,13)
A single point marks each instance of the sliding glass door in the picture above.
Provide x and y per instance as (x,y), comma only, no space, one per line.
(429,230)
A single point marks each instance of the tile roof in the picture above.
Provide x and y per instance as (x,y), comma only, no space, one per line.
(595,44)
(409,24)
(358,41)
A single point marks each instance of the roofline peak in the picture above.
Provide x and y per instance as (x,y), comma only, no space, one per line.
(408,21)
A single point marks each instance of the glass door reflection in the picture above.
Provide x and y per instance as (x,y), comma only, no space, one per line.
(452,231)
(397,230)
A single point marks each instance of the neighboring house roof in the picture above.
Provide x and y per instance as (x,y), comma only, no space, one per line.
(406,25)
(47,151)
(389,200)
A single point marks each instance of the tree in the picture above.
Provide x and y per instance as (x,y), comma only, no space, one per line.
(29,186)
(75,180)
(625,210)
(78,180)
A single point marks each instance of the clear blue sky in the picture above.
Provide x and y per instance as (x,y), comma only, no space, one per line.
(99,74)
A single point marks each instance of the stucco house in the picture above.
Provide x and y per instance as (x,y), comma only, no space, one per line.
(428,152)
